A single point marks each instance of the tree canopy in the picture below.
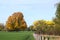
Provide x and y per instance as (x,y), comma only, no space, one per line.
(16,22)
(57,19)
(43,26)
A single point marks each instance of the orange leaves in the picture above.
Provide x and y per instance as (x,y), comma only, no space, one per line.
(16,21)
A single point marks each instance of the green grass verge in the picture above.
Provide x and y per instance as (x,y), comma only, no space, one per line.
(22,35)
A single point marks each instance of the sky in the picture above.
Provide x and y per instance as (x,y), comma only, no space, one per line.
(31,9)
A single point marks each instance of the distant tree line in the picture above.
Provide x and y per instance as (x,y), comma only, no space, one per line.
(1,26)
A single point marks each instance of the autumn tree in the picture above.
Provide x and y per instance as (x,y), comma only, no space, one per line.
(44,26)
(57,19)
(16,22)
(50,27)
(40,26)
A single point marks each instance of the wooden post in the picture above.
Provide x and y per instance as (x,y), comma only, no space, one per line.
(44,38)
(48,38)
(41,37)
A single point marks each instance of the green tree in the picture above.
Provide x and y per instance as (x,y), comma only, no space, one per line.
(57,20)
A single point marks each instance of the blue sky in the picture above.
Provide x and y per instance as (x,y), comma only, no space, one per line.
(31,9)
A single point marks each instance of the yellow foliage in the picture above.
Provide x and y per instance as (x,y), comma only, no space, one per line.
(36,23)
(42,23)
(50,22)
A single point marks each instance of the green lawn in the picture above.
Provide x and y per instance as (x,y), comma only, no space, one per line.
(22,35)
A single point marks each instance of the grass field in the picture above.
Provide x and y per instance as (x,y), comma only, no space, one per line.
(22,35)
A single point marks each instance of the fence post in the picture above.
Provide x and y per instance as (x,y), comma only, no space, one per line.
(41,37)
(44,38)
(48,38)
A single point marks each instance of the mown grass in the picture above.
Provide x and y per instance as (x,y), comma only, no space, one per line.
(22,35)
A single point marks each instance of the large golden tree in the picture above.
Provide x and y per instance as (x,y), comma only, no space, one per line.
(16,22)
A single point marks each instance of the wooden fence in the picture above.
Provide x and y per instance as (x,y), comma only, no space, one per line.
(46,37)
